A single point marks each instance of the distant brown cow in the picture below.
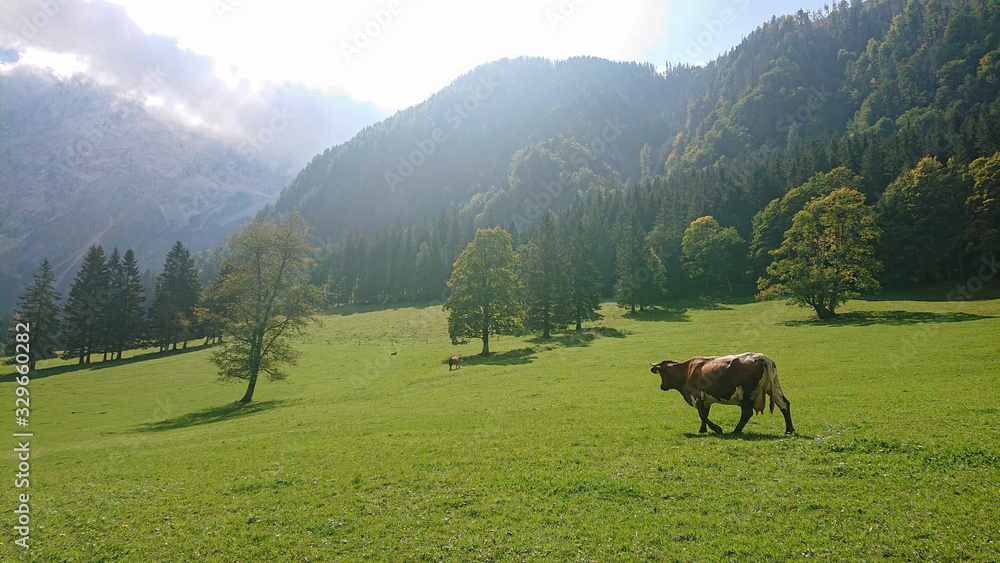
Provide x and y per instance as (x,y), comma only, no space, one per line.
(454,361)
(743,380)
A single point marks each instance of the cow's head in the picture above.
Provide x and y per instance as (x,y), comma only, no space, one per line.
(671,374)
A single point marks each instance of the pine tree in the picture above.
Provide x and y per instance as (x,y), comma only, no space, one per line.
(544,275)
(38,308)
(125,316)
(110,317)
(640,274)
(87,298)
(584,279)
(175,297)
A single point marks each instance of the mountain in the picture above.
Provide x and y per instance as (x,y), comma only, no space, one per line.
(885,81)
(872,87)
(454,150)
(83,165)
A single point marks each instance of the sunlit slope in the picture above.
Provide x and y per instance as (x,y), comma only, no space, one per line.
(561,450)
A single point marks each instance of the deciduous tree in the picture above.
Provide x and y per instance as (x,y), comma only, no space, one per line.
(484,290)
(828,254)
(713,255)
(264,298)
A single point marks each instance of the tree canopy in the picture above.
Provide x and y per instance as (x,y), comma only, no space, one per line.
(264,298)
(827,256)
(485,290)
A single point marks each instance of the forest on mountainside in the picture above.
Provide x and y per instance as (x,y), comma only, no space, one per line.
(894,99)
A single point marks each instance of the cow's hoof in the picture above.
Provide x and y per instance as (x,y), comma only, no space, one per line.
(703,431)
(789,432)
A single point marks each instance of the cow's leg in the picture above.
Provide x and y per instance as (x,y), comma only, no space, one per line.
(787,413)
(744,417)
(704,420)
(703,413)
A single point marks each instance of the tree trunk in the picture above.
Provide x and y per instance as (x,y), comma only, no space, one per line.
(248,396)
(486,342)
(824,312)
(579,324)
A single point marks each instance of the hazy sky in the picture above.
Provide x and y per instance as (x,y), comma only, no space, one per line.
(396,53)
(242,68)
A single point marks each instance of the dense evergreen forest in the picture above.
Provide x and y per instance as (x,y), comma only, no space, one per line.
(896,100)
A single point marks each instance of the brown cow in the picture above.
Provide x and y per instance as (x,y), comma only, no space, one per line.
(743,380)
(454,361)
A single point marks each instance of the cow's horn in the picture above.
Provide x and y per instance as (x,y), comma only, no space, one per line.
(652,363)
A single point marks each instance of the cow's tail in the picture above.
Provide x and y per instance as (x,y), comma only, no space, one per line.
(774,395)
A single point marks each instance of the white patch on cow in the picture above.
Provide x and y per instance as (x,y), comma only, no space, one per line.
(737,396)
(734,400)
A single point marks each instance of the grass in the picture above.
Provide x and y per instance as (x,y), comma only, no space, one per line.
(561,450)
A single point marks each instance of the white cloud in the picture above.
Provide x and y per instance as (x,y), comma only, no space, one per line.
(394,53)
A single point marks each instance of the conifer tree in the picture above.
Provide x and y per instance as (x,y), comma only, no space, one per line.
(584,279)
(110,315)
(87,298)
(38,307)
(175,297)
(640,273)
(124,316)
(544,274)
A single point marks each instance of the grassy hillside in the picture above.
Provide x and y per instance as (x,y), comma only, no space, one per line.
(559,451)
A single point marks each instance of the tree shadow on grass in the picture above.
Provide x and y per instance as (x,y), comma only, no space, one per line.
(891,318)
(572,338)
(528,354)
(677,311)
(666,315)
(98,364)
(519,356)
(348,310)
(230,411)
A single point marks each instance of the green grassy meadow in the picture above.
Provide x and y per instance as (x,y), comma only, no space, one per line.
(551,451)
